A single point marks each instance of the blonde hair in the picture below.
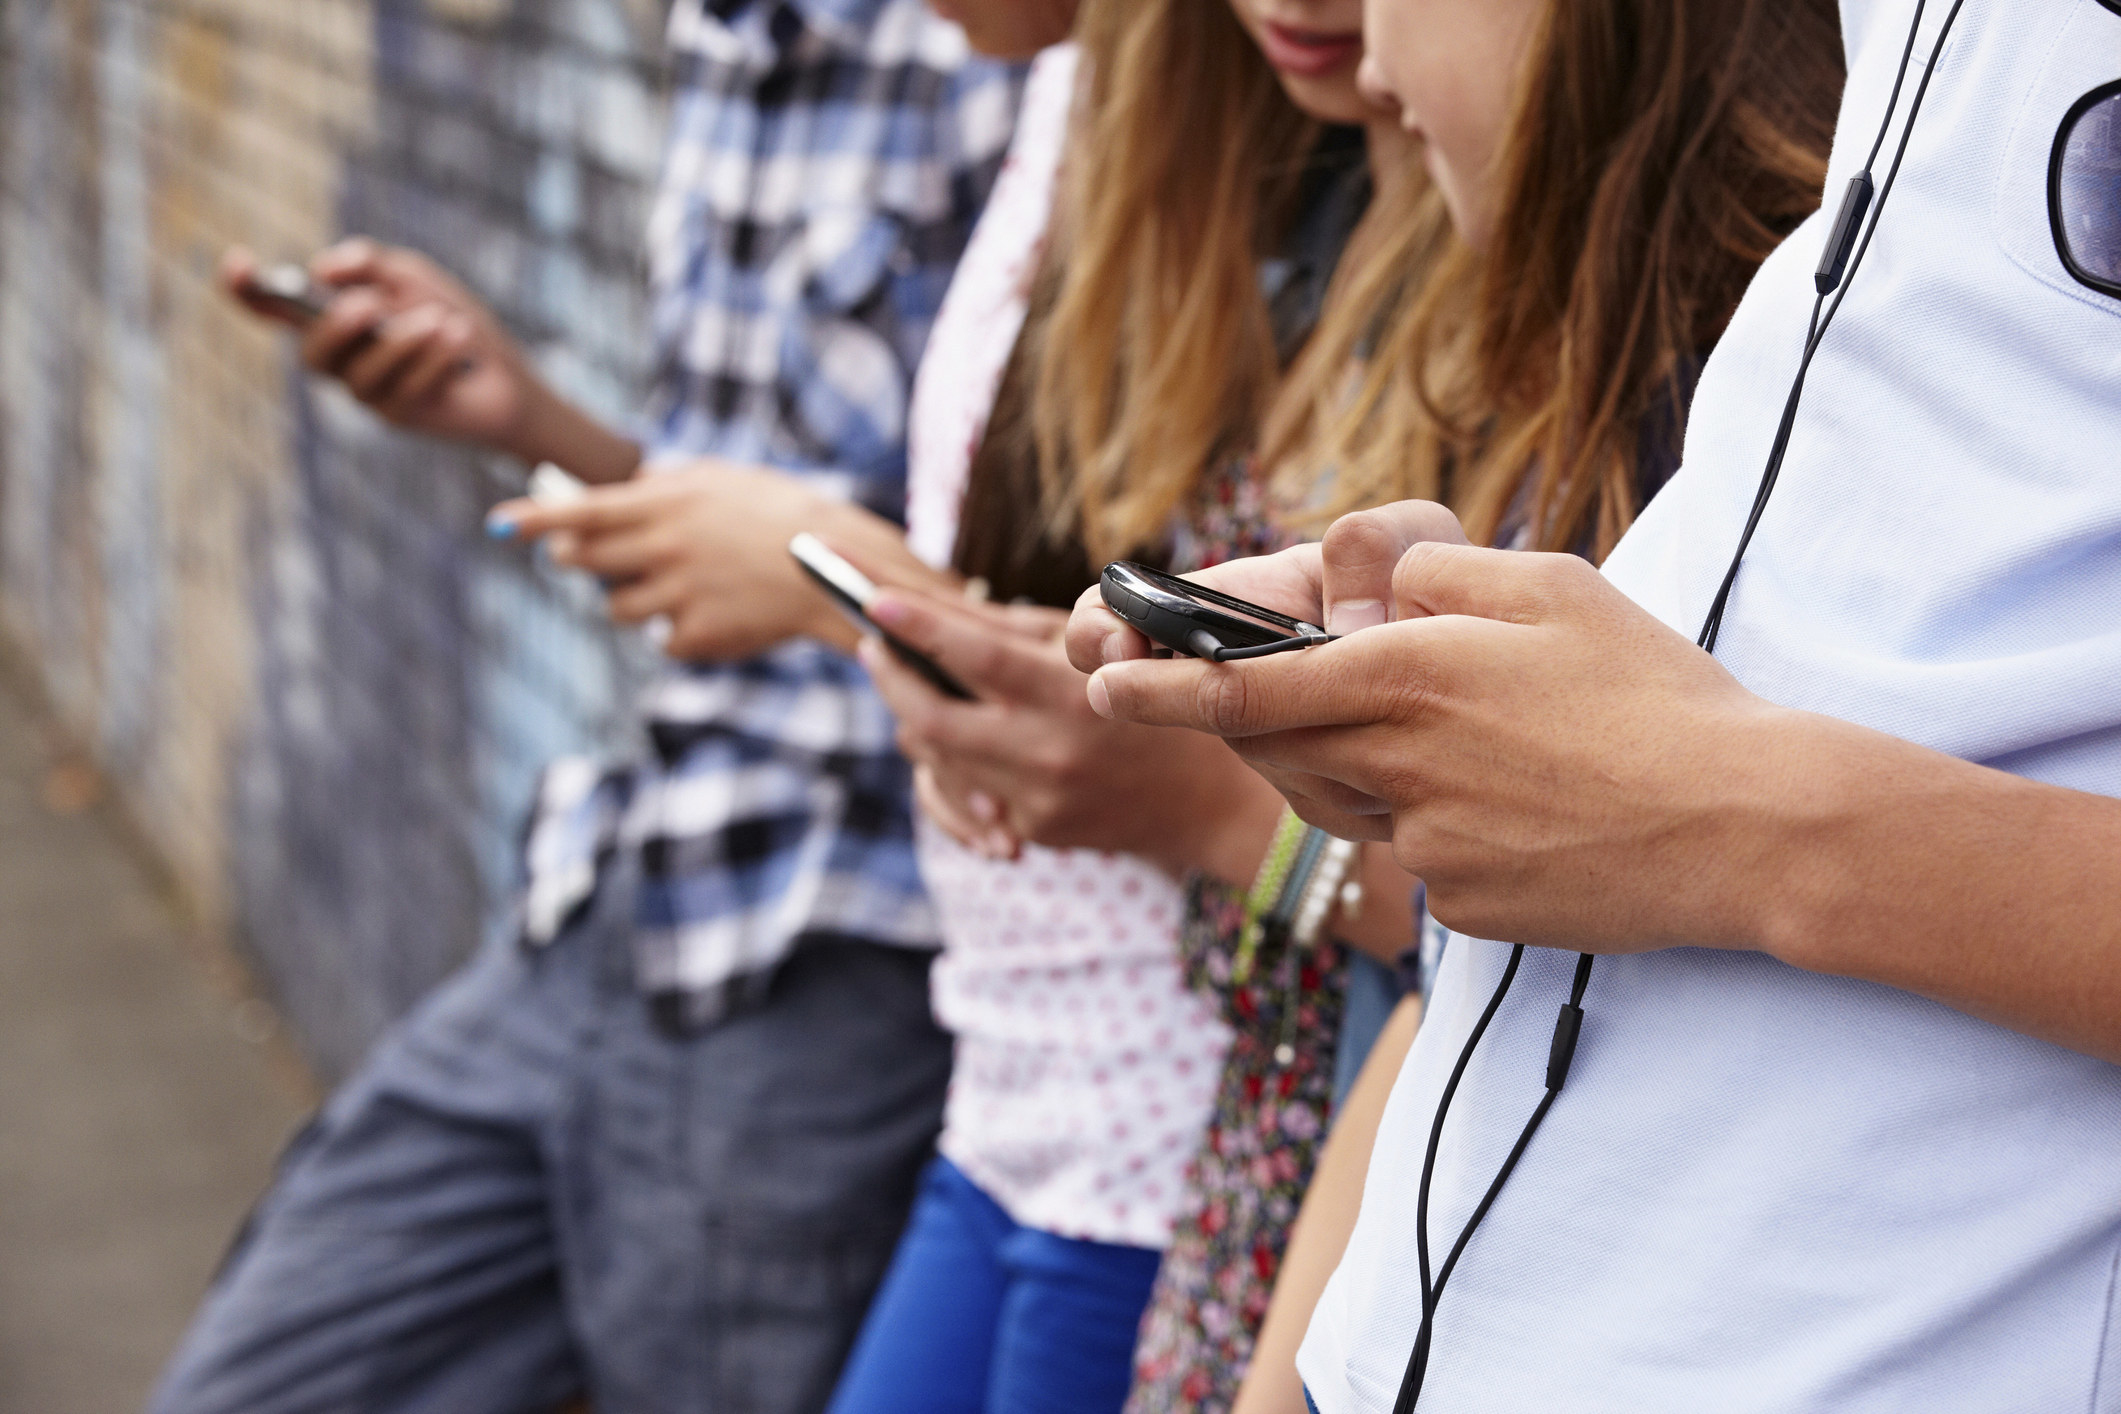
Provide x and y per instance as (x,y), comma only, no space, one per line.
(1153,356)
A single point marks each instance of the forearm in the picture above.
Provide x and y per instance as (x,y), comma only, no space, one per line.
(1989,893)
(555,430)
(1324,1224)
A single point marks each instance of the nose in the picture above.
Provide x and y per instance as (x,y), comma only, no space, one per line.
(1370,83)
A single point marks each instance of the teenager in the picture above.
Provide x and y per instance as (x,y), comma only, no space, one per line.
(1200,182)
(1841,1128)
(657,1151)
(1536,372)
(1461,388)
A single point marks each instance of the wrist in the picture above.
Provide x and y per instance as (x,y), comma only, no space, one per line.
(1789,841)
(1234,826)
(551,429)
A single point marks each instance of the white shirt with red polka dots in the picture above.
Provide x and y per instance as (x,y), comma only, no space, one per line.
(1085,1067)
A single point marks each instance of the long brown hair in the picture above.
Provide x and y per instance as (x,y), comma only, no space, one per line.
(1660,150)
(1155,353)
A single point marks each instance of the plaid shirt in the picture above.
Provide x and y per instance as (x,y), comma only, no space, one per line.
(827,161)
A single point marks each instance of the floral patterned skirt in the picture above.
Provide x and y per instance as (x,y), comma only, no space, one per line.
(1246,1183)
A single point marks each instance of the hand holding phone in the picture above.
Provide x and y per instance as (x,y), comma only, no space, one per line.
(1198,622)
(852,591)
(287,292)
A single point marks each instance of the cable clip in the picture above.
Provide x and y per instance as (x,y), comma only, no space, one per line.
(1841,244)
(1566,1029)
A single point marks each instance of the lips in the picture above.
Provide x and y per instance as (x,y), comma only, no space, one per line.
(1308,53)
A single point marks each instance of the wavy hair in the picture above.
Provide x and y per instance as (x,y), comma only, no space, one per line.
(1155,355)
(1659,151)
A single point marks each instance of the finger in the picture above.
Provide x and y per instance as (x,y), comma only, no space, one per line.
(372,373)
(991,840)
(1333,807)
(984,656)
(979,746)
(1510,586)
(1360,551)
(692,634)
(600,510)
(435,367)
(1033,621)
(1338,769)
(1097,636)
(354,261)
(637,601)
(239,267)
(618,555)
(342,330)
(910,699)
(1357,679)
(239,263)
(932,728)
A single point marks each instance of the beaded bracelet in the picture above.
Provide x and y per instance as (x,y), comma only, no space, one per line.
(1268,886)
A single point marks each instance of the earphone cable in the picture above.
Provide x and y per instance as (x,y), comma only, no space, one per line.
(1562,1051)
(1712,625)
(1838,272)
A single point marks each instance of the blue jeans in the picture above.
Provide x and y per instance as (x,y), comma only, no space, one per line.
(980,1315)
(1373,991)
(530,1191)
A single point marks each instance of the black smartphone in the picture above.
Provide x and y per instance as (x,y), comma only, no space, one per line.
(288,292)
(1199,622)
(852,591)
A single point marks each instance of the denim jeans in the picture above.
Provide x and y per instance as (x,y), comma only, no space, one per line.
(982,1315)
(531,1192)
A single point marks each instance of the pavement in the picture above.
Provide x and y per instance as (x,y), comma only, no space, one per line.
(143,1093)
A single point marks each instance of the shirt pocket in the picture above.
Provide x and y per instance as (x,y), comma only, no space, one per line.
(2083,53)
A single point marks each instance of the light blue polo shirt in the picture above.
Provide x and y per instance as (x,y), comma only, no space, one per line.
(1765,1190)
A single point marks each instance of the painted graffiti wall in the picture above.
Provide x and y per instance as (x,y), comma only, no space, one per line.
(319,690)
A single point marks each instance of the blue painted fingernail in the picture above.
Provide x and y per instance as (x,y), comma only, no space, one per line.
(500,527)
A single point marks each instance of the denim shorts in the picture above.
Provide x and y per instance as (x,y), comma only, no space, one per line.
(530,1192)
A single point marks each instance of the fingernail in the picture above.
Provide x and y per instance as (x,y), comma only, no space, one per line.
(1353,615)
(1100,698)
(1113,648)
(869,652)
(984,807)
(887,611)
(500,527)
(1001,845)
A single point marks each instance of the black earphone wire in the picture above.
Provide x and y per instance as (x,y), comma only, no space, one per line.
(1563,1050)
(1815,335)
(1570,1023)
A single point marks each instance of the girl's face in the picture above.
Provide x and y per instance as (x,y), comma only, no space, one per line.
(1450,70)
(1315,47)
(1010,29)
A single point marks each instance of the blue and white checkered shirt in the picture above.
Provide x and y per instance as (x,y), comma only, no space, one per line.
(827,161)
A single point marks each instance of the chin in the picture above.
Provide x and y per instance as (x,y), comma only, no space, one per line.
(1330,99)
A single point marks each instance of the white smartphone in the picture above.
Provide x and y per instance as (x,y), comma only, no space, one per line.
(852,591)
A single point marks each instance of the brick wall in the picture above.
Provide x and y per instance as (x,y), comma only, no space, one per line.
(321,692)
